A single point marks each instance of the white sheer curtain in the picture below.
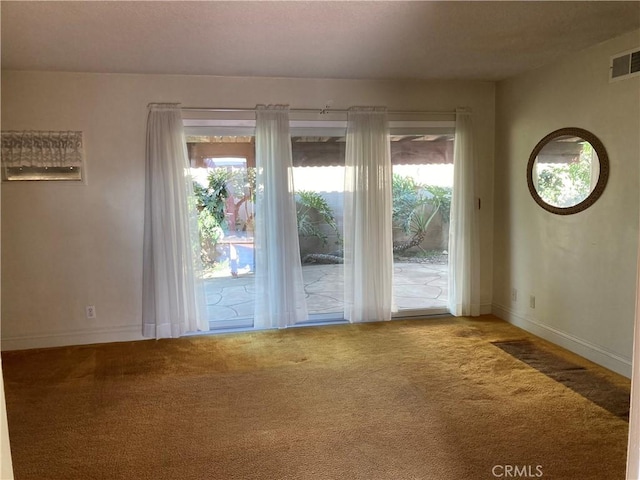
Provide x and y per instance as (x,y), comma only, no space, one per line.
(173,295)
(368,245)
(280,298)
(464,236)
(633,447)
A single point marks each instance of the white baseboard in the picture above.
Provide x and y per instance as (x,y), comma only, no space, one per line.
(584,348)
(75,337)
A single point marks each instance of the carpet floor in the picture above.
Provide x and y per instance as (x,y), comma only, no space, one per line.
(429,399)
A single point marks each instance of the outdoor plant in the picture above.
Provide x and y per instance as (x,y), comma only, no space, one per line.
(415,206)
(210,234)
(442,195)
(313,211)
(210,202)
(213,197)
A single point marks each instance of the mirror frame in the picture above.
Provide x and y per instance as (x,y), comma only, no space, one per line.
(603,159)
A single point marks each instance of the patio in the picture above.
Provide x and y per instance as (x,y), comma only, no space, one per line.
(416,286)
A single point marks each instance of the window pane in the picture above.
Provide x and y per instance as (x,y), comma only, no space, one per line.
(318,177)
(223,168)
(224,183)
(422,187)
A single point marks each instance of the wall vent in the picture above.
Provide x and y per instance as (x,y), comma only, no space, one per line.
(625,65)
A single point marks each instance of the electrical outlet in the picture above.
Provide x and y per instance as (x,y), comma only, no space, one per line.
(514,295)
(532,301)
(90,311)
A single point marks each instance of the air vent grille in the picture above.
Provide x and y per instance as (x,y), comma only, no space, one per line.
(625,65)
(635,62)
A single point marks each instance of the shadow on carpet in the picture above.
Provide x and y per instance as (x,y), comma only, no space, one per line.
(582,381)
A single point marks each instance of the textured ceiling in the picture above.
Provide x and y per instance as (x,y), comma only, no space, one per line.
(316,39)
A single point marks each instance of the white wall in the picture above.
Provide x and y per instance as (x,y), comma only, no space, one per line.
(581,268)
(67,246)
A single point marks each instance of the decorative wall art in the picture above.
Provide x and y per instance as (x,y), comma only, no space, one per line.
(42,155)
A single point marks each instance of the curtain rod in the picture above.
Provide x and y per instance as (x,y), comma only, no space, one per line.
(320,111)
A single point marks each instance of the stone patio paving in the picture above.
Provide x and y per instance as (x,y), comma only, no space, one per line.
(415,286)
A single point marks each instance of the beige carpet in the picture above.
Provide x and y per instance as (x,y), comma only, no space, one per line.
(428,399)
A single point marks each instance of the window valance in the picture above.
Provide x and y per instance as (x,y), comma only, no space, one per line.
(42,149)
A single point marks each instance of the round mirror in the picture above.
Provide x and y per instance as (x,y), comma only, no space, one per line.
(567,171)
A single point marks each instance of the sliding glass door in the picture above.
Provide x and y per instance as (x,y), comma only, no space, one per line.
(318,176)
(223,169)
(422,189)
